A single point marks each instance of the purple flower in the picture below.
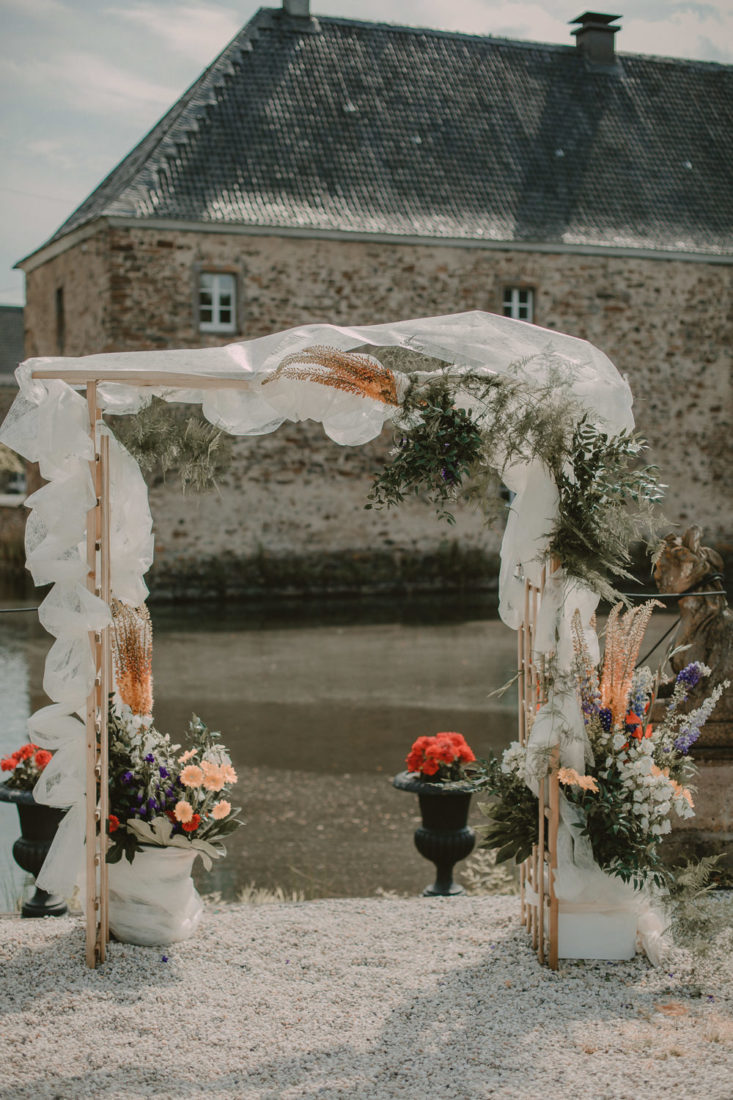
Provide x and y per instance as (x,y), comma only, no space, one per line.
(152,804)
(127,777)
(690,676)
(139,796)
(150,759)
(686,739)
(164,773)
(606,718)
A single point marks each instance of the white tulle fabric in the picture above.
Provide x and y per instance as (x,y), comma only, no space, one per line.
(48,424)
(153,899)
(62,783)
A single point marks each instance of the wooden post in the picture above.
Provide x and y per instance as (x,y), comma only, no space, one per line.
(553,823)
(96,712)
(538,871)
(521,736)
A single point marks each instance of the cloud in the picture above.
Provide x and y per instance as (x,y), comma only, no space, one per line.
(88,83)
(35,7)
(196,30)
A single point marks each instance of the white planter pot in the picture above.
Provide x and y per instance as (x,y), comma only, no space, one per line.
(153,899)
(587,933)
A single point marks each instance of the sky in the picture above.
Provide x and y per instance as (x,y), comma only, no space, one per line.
(82,81)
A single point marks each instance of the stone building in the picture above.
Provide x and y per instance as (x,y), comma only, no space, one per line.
(324,169)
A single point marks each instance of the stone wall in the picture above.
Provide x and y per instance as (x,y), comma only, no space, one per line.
(666,324)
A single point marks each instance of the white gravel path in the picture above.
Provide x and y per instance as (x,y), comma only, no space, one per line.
(357,999)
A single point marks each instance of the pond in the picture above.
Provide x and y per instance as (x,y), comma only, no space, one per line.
(318,703)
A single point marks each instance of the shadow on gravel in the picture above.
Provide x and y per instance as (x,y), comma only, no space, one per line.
(58,968)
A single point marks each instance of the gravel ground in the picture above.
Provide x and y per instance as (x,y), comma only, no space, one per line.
(354,998)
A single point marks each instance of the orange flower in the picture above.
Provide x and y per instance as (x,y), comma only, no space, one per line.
(228,773)
(624,635)
(184,811)
(221,809)
(192,776)
(132,647)
(570,778)
(213,779)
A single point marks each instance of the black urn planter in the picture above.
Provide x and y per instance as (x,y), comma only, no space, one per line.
(444,836)
(38,825)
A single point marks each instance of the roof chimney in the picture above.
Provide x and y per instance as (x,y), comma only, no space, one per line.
(594,36)
(300,8)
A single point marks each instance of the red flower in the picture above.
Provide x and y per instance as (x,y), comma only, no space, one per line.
(633,726)
(7,764)
(193,824)
(114,823)
(429,753)
(42,758)
(26,752)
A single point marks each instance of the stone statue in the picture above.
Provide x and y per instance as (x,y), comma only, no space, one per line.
(706,627)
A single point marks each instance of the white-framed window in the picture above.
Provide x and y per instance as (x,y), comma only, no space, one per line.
(518,302)
(217,302)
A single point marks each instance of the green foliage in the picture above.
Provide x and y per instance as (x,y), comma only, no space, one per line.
(606,497)
(695,922)
(434,455)
(165,438)
(513,812)
(606,502)
(621,846)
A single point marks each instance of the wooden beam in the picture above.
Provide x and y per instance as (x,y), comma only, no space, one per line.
(147,378)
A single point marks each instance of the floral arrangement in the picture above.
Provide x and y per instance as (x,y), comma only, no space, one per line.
(159,794)
(25,764)
(636,773)
(441,758)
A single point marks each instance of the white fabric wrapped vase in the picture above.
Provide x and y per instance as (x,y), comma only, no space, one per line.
(153,901)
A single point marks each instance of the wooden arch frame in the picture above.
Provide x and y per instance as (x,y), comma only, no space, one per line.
(538,899)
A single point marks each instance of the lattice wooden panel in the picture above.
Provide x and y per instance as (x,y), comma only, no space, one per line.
(536,874)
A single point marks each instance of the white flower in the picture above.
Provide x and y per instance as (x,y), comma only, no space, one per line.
(514,758)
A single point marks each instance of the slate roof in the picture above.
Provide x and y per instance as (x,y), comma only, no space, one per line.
(11,342)
(359,127)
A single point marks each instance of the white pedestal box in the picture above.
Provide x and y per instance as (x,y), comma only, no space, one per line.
(600,934)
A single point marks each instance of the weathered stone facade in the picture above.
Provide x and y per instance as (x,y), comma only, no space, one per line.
(664,323)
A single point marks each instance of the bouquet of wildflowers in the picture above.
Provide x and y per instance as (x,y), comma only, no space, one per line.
(159,794)
(25,766)
(636,774)
(440,759)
